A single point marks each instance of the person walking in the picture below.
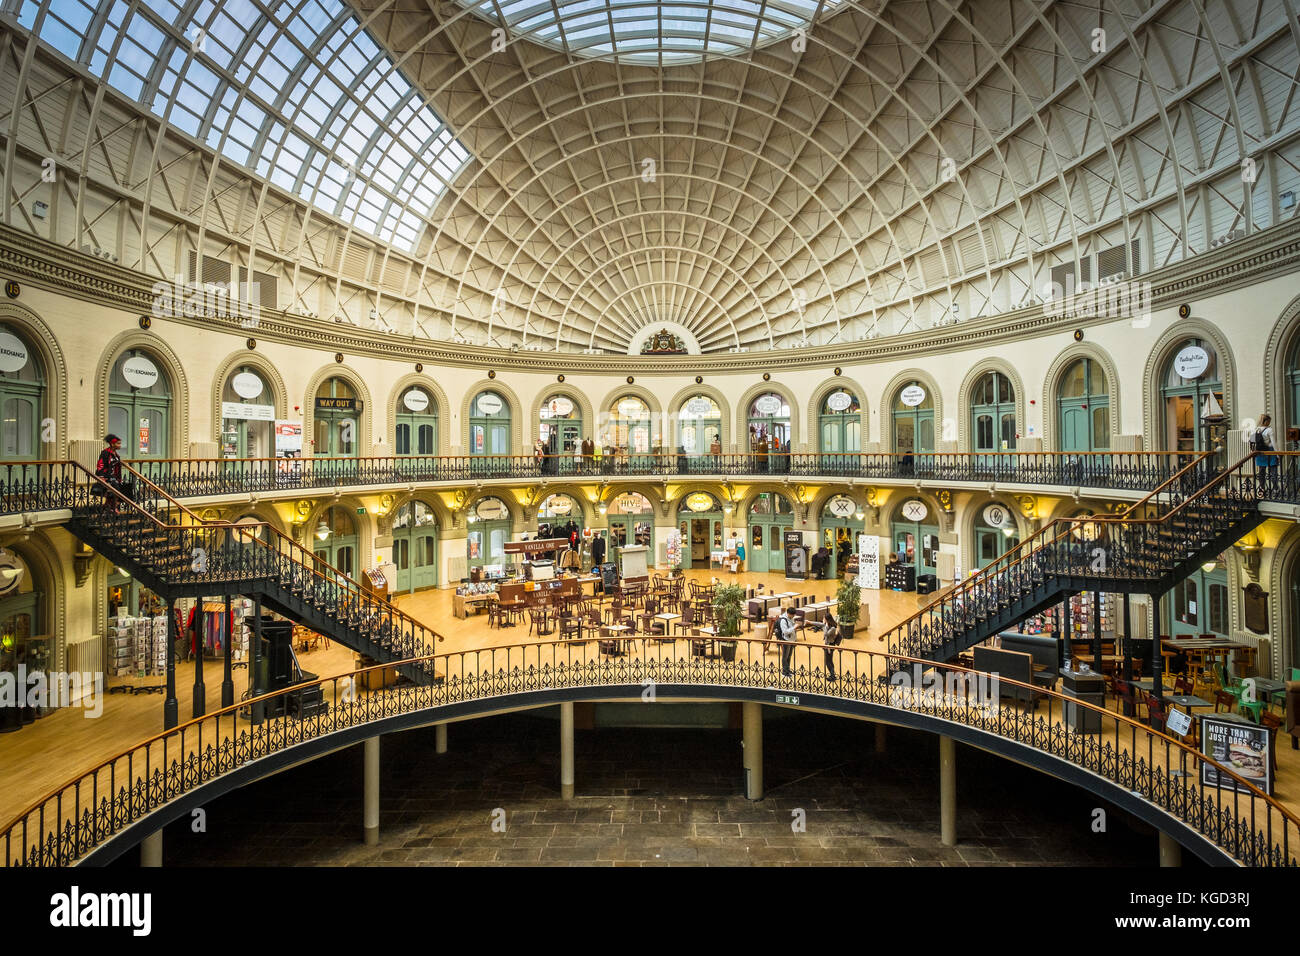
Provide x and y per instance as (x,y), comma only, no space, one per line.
(786,628)
(109,468)
(831,637)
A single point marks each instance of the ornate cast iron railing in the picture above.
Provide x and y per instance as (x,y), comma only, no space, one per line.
(1210,799)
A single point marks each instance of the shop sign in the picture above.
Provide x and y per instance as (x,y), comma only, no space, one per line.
(841,507)
(700,501)
(338,405)
(257,413)
(839,401)
(247,385)
(698,406)
(868,561)
(629,504)
(558,407)
(139,372)
(13,353)
(1191,362)
(768,405)
(630,407)
(915,510)
(997,516)
(416,400)
(490,509)
(558,504)
(912,396)
(488,404)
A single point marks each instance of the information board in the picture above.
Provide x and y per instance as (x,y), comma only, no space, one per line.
(1242,747)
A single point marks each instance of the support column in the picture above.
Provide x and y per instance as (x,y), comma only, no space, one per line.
(440,738)
(947,791)
(880,738)
(227,682)
(200,687)
(1128,642)
(257,711)
(752,724)
(151,850)
(171,706)
(1096,631)
(1157,659)
(1171,853)
(370,794)
(566,751)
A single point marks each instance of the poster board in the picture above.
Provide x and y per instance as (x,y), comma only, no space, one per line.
(673,548)
(288,446)
(1240,746)
(796,556)
(868,561)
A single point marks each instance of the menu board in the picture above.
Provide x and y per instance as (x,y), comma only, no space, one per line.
(1242,747)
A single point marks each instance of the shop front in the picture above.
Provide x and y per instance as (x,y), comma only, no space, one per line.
(915,538)
(247,416)
(995,533)
(841,527)
(560,429)
(489,530)
(700,518)
(631,520)
(415,546)
(336,541)
(770,516)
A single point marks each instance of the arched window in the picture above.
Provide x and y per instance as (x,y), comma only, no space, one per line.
(629,430)
(1199,603)
(1292,393)
(140,405)
(1190,376)
(22,398)
(336,420)
(247,416)
(21,612)
(1083,400)
(631,521)
(415,546)
(995,533)
(841,529)
(699,430)
(770,516)
(489,530)
(993,413)
(559,509)
(335,541)
(839,430)
(560,429)
(417,423)
(489,425)
(916,536)
(913,420)
(769,433)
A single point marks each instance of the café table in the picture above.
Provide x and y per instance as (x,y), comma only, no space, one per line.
(1268,687)
(667,617)
(705,648)
(613,634)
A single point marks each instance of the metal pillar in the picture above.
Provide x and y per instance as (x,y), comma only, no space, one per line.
(257,712)
(370,792)
(566,751)
(200,688)
(227,682)
(947,791)
(440,738)
(151,850)
(1157,659)
(1128,642)
(752,742)
(171,706)
(1171,853)
(1096,631)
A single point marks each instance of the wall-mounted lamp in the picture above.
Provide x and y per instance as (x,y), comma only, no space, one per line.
(1250,550)
(322,530)
(1209,566)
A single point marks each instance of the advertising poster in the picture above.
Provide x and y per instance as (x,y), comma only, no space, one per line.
(142,445)
(1242,747)
(868,561)
(288,446)
(674,548)
(796,556)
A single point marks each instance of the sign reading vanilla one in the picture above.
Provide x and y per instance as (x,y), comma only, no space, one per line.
(139,372)
(13,353)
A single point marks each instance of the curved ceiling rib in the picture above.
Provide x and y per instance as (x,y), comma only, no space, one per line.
(764,174)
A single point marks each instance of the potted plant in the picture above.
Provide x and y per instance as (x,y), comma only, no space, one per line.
(727,602)
(849,599)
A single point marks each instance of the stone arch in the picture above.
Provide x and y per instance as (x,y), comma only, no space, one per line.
(886,406)
(658,423)
(1286,558)
(743,505)
(364,441)
(512,400)
(56,373)
(40,554)
(973,510)
(683,395)
(517,520)
(833,384)
(965,440)
(576,395)
(1159,356)
(652,493)
(740,440)
(270,375)
(147,342)
(1052,381)
(1282,339)
(366,525)
(677,502)
(429,384)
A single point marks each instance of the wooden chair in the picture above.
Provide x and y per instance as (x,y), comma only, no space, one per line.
(1183,685)
(1157,712)
(687,622)
(1222,699)
(650,626)
(1274,723)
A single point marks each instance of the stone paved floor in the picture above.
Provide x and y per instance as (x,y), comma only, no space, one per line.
(658,797)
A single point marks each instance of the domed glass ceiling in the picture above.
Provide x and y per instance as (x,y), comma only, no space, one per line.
(638,31)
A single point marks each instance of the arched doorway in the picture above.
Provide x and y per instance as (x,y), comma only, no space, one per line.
(913,412)
(489,530)
(631,521)
(489,434)
(995,533)
(769,433)
(247,415)
(560,429)
(1199,603)
(915,536)
(415,546)
(700,518)
(1190,375)
(1083,401)
(561,516)
(629,430)
(770,516)
(336,420)
(993,414)
(417,423)
(140,405)
(699,436)
(22,398)
(25,637)
(841,527)
(839,433)
(335,541)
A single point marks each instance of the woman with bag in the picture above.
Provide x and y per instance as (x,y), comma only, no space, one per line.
(1262,441)
(831,637)
(109,468)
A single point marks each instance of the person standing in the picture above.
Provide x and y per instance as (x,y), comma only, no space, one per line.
(831,637)
(109,468)
(1262,441)
(786,628)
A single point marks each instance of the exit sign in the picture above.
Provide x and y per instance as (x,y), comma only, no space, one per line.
(361,511)
(787,699)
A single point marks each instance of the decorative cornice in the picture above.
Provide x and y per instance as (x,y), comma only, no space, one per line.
(1263,255)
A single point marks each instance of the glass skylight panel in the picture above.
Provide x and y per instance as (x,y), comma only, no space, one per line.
(363,166)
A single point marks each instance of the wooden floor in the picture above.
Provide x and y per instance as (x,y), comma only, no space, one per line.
(44,755)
